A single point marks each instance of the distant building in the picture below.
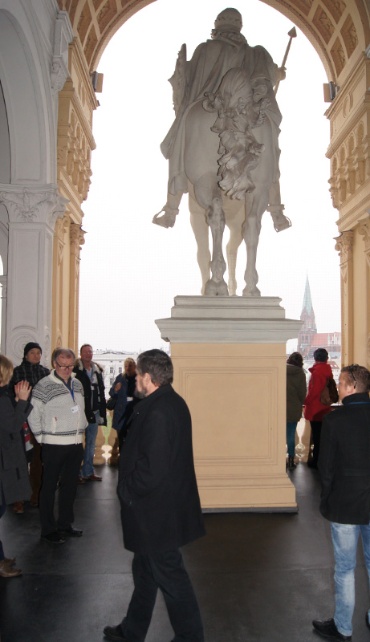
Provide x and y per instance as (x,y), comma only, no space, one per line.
(309,339)
(308,329)
(112,362)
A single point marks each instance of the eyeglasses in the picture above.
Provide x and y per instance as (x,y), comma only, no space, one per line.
(64,367)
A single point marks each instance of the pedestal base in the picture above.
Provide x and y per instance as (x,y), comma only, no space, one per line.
(236,392)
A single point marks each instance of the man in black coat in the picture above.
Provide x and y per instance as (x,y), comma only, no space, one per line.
(91,376)
(160,506)
(344,466)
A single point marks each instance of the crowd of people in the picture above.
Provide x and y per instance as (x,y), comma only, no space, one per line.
(46,416)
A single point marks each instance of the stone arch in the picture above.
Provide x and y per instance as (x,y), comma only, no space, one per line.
(337,30)
(23,93)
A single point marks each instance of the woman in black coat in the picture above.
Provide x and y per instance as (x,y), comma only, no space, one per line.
(14,483)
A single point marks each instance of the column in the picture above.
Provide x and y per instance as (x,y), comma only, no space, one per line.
(344,245)
(32,216)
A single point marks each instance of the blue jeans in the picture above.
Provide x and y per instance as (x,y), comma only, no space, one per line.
(345,539)
(90,439)
(290,437)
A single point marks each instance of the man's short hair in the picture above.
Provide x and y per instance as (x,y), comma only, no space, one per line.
(6,369)
(85,345)
(63,352)
(321,355)
(358,375)
(157,364)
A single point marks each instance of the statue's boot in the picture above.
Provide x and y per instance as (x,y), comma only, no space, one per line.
(168,219)
(281,222)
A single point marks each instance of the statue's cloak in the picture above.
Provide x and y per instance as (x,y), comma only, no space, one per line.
(203,75)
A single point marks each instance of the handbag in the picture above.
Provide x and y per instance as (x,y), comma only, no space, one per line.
(329,394)
(111,403)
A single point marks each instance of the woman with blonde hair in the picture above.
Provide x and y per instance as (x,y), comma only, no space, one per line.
(14,482)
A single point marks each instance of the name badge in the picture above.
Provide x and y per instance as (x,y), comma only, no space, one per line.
(74,409)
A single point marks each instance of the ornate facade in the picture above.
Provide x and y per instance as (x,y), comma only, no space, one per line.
(49,55)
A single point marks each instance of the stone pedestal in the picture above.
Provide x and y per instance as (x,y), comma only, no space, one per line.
(229,360)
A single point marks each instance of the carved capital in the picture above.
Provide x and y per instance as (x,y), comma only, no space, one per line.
(364,229)
(31,205)
(76,235)
(344,245)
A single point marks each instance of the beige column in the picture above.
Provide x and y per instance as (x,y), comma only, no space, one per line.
(344,245)
(364,230)
(76,235)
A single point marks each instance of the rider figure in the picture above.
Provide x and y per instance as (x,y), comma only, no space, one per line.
(201,76)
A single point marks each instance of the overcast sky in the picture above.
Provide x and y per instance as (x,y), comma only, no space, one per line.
(131,270)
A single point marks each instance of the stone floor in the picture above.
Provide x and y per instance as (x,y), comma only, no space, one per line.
(259,577)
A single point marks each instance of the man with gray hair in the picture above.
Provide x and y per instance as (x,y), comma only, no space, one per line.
(160,507)
(344,466)
(58,423)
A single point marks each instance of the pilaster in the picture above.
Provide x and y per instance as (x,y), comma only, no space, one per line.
(76,236)
(364,230)
(77,102)
(344,245)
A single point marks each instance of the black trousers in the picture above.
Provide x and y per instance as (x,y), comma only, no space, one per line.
(60,464)
(316,437)
(164,571)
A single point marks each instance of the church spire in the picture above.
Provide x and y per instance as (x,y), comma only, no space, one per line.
(308,328)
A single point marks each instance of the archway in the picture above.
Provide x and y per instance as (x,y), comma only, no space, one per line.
(340,33)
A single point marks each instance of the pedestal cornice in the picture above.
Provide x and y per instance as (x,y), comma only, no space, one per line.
(202,319)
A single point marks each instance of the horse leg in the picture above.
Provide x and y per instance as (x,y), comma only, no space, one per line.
(208,196)
(216,285)
(255,206)
(201,233)
(234,219)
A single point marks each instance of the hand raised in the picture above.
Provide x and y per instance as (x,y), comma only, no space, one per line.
(22,390)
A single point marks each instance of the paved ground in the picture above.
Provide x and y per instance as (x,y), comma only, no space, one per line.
(258,577)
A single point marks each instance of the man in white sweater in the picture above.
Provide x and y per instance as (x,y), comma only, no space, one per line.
(58,423)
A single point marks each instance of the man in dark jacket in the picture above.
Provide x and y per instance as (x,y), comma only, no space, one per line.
(91,376)
(344,466)
(160,506)
(32,371)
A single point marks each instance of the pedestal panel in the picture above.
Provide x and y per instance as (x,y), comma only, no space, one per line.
(236,392)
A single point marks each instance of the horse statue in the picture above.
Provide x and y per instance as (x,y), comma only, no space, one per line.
(223,150)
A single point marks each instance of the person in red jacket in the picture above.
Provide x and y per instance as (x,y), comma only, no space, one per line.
(315,410)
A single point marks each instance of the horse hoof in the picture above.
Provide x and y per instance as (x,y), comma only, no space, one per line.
(251,292)
(213,288)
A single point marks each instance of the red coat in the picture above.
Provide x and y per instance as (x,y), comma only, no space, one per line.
(314,409)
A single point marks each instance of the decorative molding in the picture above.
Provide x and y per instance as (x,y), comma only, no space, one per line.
(344,245)
(63,35)
(33,205)
(364,229)
(76,235)
(227,320)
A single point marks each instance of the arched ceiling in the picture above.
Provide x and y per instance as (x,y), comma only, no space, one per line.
(338,29)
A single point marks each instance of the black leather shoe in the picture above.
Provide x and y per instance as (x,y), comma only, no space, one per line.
(70,532)
(367,619)
(114,633)
(327,629)
(53,538)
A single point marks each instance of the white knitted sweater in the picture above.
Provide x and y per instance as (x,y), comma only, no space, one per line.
(57,418)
